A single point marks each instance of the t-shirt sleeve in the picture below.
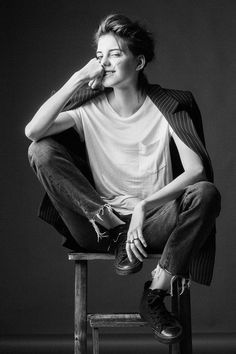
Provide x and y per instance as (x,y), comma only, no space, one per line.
(77,117)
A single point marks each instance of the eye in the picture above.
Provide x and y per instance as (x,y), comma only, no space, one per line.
(115,54)
(99,57)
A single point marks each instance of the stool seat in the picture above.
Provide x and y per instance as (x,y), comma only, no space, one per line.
(101,256)
(180,307)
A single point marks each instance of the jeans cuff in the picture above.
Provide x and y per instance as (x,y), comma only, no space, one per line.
(183,282)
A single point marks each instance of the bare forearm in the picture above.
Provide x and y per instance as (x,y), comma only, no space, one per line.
(49,111)
(174,189)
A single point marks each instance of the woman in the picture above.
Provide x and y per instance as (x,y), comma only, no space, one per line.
(126,187)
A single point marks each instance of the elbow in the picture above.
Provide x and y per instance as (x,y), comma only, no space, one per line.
(30,133)
(199,174)
(202,174)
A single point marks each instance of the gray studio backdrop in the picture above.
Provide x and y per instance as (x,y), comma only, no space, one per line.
(46,41)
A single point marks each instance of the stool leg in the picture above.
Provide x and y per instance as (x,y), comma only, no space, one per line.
(80,330)
(170,348)
(185,319)
(95,336)
(175,348)
(181,307)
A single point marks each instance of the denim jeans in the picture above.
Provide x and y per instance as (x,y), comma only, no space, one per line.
(177,229)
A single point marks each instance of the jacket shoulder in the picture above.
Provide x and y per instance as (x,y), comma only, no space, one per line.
(185,98)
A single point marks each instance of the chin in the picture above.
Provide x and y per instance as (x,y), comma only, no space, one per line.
(106,84)
(109,82)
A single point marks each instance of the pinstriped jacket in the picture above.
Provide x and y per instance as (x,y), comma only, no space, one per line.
(181,111)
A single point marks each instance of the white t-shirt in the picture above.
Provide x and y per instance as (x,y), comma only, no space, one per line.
(129,156)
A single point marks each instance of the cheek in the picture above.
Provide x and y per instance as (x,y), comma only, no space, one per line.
(125,67)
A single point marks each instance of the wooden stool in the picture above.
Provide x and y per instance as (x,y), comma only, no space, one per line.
(180,306)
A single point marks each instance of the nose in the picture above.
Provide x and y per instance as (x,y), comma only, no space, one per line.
(105,61)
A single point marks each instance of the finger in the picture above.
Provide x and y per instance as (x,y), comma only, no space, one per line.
(136,252)
(129,253)
(97,82)
(139,246)
(94,84)
(141,238)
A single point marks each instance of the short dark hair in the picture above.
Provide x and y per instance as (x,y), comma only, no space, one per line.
(138,39)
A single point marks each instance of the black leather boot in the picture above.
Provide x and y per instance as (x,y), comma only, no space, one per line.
(165,326)
(122,264)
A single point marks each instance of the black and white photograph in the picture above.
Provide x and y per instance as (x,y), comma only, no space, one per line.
(118,177)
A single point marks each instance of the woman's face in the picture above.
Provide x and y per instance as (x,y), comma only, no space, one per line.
(118,62)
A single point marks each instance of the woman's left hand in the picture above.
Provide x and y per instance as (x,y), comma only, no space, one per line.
(135,245)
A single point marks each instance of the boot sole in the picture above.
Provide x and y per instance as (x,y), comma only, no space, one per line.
(129,271)
(162,339)
(167,340)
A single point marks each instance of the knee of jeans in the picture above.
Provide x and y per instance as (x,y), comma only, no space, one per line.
(209,196)
(40,152)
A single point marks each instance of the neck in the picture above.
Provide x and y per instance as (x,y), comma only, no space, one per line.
(126,101)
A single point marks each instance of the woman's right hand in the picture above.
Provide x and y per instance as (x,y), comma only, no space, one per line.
(96,71)
(91,74)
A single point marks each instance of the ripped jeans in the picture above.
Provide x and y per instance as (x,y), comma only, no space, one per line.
(177,229)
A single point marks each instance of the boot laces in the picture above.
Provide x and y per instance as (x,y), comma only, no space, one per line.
(160,315)
(121,245)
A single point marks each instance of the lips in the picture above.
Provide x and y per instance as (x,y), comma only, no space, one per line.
(109,72)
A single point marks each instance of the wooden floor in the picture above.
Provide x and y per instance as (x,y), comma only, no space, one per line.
(116,344)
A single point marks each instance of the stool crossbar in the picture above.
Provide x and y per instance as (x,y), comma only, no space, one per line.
(180,307)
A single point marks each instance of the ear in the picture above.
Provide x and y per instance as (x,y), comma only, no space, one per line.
(141,62)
